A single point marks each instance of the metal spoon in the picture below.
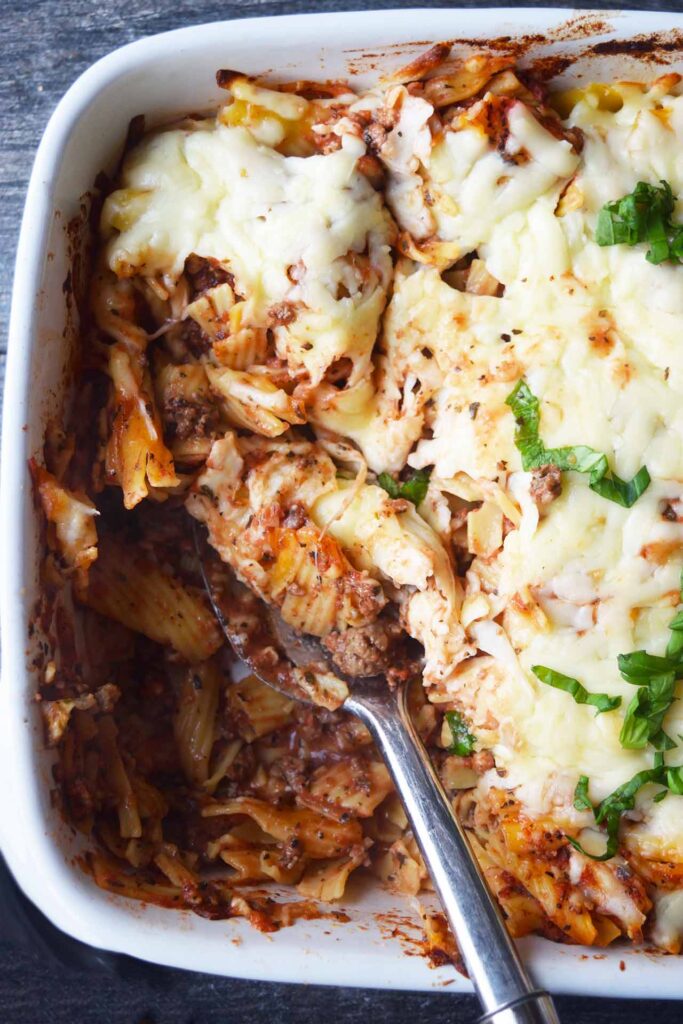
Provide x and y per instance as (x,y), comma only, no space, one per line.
(506,993)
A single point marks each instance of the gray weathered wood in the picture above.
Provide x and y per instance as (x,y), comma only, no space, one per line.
(45,46)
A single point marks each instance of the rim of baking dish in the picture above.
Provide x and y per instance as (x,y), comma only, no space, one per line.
(38,863)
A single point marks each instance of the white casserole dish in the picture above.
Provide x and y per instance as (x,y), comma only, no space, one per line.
(163,76)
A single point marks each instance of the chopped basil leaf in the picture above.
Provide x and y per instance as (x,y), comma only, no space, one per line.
(634,733)
(387,482)
(643,215)
(610,849)
(674,779)
(645,714)
(601,701)
(575,458)
(582,801)
(661,742)
(462,740)
(623,799)
(622,492)
(525,409)
(639,667)
(413,489)
(677,622)
(660,796)
(674,648)
(655,678)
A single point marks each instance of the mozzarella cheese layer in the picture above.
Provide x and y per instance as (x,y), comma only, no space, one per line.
(306,238)
(596,333)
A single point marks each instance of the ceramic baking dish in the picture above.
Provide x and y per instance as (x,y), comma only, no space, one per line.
(163,76)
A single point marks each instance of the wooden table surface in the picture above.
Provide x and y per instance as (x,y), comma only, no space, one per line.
(46,44)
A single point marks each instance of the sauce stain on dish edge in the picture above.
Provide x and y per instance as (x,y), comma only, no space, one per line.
(662,47)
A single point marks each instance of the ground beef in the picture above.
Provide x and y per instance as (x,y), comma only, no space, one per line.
(195,340)
(364,592)
(184,418)
(672,511)
(546,485)
(205,273)
(374,137)
(483,761)
(107,696)
(387,117)
(370,166)
(294,770)
(378,649)
(79,798)
(282,313)
(185,826)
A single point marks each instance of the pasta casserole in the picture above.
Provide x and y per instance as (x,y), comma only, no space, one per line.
(410,356)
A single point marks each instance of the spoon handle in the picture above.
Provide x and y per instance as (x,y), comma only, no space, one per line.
(507,994)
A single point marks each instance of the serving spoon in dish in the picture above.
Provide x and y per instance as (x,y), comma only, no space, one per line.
(274,652)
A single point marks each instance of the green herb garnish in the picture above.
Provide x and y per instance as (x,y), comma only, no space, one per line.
(600,701)
(624,797)
(582,801)
(622,492)
(674,648)
(462,740)
(413,489)
(655,677)
(645,714)
(610,810)
(674,779)
(643,215)
(638,667)
(575,458)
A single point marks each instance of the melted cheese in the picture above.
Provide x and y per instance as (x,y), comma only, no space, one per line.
(668,930)
(469,184)
(310,232)
(596,333)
